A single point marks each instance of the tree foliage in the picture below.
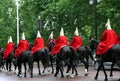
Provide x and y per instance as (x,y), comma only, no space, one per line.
(55,14)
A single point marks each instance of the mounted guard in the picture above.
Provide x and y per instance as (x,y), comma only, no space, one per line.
(9,53)
(76,40)
(22,46)
(9,48)
(61,41)
(38,44)
(51,42)
(107,40)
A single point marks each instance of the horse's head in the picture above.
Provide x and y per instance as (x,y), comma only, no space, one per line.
(2,62)
(93,44)
(50,45)
(30,46)
(1,52)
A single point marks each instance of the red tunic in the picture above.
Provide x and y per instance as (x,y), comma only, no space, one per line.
(8,49)
(60,42)
(22,46)
(108,39)
(76,42)
(118,39)
(39,43)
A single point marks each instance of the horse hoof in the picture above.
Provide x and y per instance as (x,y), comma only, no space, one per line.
(62,76)
(111,75)
(20,76)
(67,75)
(55,75)
(39,73)
(72,76)
(31,77)
(52,72)
(106,79)
(43,72)
(86,74)
(95,78)
(76,74)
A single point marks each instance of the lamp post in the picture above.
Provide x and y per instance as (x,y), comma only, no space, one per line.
(17,4)
(94,3)
(39,23)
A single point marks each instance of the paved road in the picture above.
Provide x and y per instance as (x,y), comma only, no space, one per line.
(10,76)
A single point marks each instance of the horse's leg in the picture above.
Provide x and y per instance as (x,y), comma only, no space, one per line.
(43,66)
(74,69)
(14,61)
(68,70)
(51,61)
(30,64)
(15,67)
(76,73)
(6,64)
(10,66)
(25,69)
(86,67)
(38,68)
(61,70)
(57,71)
(106,79)
(31,69)
(111,70)
(96,77)
(87,58)
(57,68)
(52,66)
(19,69)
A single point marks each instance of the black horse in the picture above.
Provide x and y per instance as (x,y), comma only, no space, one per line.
(83,53)
(51,56)
(93,45)
(9,61)
(2,61)
(26,57)
(43,56)
(68,56)
(112,55)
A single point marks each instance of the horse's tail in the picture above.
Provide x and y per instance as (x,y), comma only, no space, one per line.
(72,50)
(30,61)
(74,56)
(30,56)
(89,52)
(47,55)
